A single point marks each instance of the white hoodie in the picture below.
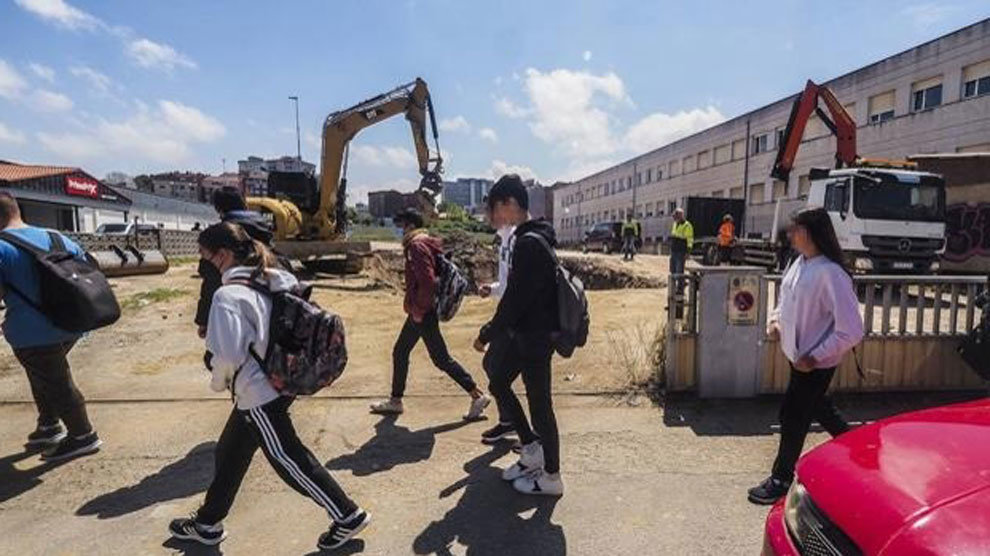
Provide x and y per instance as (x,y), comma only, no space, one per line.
(508,236)
(240,318)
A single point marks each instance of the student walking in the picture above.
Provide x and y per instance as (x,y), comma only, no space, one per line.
(421,251)
(40,347)
(817,322)
(681,243)
(230,205)
(496,350)
(525,318)
(239,323)
(630,235)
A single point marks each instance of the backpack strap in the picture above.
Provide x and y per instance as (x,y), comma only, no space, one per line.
(546,245)
(250,284)
(58,246)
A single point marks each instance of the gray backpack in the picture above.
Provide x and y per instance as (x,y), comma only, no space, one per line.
(451,287)
(572,307)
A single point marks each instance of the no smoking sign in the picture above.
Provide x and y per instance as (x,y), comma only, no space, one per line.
(743,293)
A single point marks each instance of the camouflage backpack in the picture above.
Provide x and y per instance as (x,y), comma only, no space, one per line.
(451,287)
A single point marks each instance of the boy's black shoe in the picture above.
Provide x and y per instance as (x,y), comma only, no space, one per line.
(43,435)
(340,533)
(187,529)
(72,447)
(769,491)
(499,432)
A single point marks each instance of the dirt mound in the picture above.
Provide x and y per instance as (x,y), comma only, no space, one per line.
(601,274)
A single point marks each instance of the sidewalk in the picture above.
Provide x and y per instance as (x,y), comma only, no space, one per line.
(634,485)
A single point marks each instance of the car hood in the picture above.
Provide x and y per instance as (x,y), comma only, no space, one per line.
(905,475)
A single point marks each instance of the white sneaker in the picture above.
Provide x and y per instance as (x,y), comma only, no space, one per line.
(387,407)
(477,410)
(540,482)
(530,459)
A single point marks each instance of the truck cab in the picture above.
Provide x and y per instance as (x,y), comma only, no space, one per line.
(888,220)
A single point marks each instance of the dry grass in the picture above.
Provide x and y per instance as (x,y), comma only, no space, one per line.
(157,295)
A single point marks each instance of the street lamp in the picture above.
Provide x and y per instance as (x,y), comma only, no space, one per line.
(298,144)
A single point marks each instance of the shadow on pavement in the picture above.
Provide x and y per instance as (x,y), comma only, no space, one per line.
(391,446)
(190,475)
(758,416)
(487,521)
(15,482)
(191,548)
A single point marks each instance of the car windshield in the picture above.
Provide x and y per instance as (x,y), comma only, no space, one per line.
(111,228)
(887,198)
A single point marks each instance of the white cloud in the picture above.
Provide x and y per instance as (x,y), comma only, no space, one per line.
(566,111)
(660,129)
(150,54)
(10,135)
(42,71)
(500,168)
(165,134)
(488,134)
(455,124)
(11,82)
(925,15)
(60,13)
(509,109)
(98,81)
(370,155)
(48,101)
(586,56)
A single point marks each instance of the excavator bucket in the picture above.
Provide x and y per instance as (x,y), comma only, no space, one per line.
(128,257)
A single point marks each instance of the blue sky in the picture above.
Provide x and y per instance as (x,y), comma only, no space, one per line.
(550,89)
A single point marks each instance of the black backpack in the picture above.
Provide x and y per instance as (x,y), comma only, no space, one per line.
(75,295)
(451,287)
(572,307)
(307,349)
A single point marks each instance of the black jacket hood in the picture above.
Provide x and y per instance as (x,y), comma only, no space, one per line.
(253,223)
(540,226)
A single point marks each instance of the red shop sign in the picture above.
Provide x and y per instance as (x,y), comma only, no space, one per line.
(82,187)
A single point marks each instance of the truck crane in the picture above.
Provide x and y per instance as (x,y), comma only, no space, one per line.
(889,217)
(309,218)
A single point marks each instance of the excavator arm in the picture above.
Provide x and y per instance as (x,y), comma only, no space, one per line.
(411,99)
(840,124)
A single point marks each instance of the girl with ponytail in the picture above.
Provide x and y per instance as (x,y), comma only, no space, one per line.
(237,336)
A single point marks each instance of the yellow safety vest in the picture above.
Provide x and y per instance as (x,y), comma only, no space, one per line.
(685,231)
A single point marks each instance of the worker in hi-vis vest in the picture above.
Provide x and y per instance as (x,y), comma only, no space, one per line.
(630,235)
(681,242)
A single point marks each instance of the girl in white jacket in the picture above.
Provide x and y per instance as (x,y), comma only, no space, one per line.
(817,321)
(239,322)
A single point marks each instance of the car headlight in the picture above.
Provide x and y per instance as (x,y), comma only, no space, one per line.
(935,266)
(863,263)
(792,504)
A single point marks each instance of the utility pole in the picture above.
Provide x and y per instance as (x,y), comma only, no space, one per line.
(223,161)
(298,143)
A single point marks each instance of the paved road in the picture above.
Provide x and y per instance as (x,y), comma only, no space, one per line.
(634,485)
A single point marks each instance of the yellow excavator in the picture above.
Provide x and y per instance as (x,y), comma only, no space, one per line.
(310,220)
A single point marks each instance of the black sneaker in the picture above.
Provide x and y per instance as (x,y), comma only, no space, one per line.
(498,432)
(340,533)
(71,447)
(43,435)
(187,529)
(769,491)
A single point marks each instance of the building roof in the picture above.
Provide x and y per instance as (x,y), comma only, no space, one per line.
(11,171)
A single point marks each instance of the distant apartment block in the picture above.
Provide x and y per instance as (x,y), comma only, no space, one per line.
(468,193)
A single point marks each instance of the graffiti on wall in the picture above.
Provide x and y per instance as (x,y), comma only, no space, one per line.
(967,231)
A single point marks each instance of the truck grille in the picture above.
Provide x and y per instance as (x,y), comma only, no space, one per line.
(816,535)
(902,247)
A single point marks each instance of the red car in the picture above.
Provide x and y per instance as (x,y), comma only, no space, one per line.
(917,483)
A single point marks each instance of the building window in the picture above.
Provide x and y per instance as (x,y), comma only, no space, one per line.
(927,94)
(736,192)
(659,173)
(779,189)
(689,164)
(629,182)
(760,143)
(717,194)
(976,79)
(649,175)
(671,207)
(738,149)
(672,168)
(704,159)
(804,185)
(649,210)
(779,139)
(723,154)
(756,194)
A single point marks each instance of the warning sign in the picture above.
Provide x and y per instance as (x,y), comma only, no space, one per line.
(744,292)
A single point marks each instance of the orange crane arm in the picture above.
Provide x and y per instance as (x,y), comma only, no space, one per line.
(840,124)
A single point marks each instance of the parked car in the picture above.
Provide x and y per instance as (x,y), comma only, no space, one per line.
(124,228)
(604,236)
(917,483)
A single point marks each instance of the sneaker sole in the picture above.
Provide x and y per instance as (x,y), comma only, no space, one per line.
(200,540)
(46,441)
(78,452)
(386,412)
(537,492)
(481,412)
(763,501)
(361,527)
(496,439)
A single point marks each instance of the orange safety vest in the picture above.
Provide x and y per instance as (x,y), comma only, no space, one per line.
(726,232)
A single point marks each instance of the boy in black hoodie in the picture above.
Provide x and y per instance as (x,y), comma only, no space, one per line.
(520,332)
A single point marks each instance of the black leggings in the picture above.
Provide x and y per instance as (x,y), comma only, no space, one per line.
(429,331)
(806,400)
(269,427)
(506,360)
